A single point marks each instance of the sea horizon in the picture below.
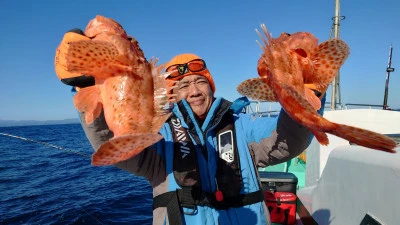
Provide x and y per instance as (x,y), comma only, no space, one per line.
(12,123)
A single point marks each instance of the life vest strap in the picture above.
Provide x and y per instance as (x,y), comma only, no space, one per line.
(190,198)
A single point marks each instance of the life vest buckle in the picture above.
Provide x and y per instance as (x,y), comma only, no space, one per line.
(192,207)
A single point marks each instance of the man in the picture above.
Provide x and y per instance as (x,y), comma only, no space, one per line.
(204,171)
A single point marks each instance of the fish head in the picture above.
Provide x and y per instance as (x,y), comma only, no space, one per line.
(110,51)
(289,54)
(103,26)
(304,42)
(318,63)
(106,29)
(284,65)
(292,63)
(301,46)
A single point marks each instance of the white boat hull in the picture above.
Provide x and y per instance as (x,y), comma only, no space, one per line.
(345,182)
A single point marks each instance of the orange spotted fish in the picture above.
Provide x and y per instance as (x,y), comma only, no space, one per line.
(127,87)
(291,61)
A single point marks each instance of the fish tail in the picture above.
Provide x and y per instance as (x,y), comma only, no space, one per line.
(364,137)
(321,137)
(122,148)
(158,122)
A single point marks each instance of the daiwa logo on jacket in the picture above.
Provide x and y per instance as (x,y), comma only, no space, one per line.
(180,133)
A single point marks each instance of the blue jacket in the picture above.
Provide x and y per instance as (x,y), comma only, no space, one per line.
(271,140)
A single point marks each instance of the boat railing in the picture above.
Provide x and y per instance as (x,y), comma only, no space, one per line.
(345,106)
(261,109)
(370,106)
(271,109)
(328,105)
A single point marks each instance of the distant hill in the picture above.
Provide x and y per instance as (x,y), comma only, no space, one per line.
(12,123)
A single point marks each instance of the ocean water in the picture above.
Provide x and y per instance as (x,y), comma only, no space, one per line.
(40,184)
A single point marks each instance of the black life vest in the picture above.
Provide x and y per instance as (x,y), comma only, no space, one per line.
(185,165)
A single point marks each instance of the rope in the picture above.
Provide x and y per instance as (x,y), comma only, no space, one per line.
(92,216)
(57,147)
(46,144)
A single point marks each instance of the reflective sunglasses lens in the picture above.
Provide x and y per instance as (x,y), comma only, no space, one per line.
(173,70)
(170,68)
(196,65)
(180,69)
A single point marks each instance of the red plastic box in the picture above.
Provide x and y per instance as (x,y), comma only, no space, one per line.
(281,206)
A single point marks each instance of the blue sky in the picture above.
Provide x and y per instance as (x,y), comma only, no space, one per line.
(222,32)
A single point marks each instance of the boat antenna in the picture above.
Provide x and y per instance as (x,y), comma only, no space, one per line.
(336,98)
(389,69)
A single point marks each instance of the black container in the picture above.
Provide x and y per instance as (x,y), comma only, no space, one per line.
(278,181)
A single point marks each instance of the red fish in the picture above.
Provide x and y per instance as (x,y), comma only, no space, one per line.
(291,61)
(129,89)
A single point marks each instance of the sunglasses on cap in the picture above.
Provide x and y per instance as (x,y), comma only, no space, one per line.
(178,70)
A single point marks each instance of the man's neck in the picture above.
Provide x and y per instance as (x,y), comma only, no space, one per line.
(199,120)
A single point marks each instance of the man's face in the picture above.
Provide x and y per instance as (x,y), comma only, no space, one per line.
(197,92)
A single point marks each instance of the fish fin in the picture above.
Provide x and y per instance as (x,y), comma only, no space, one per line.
(257,89)
(162,95)
(295,95)
(304,113)
(312,98)
(328,59)
(158,122)
(88,100)
(321,136)
(170,90)
(100,59)
(122,148)
(318,125)
(364,138)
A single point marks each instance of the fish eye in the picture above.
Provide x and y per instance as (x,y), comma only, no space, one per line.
(301,52)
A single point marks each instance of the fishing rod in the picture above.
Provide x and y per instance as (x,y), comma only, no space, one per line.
(45,144)
(388,70)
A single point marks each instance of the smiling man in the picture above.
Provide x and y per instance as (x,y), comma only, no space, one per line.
(194,82)
(204,170)
(211,152)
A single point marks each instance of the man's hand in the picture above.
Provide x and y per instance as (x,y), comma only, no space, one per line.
(314,95)
(317,91)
